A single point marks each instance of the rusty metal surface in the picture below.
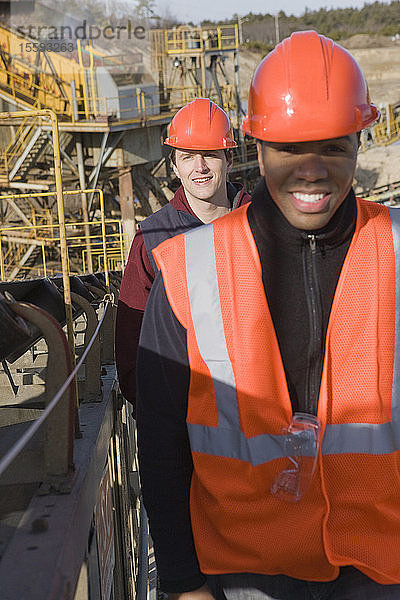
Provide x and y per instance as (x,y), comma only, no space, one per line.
(55,552)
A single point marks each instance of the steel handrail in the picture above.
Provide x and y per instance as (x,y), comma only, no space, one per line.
(17,448)
(63,236)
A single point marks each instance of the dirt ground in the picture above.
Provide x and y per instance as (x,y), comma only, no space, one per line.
(379,57)
(377,166)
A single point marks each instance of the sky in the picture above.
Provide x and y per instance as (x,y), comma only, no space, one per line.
(215,10)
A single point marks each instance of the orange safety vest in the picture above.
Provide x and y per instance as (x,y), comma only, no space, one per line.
(239,405)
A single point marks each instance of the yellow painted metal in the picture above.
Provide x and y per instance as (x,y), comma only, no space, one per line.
(85,95)
(31,82)
(92,79)
(121,245)
(44,232)
(180,54)
(191,40)
(44,261)
(61,224)
(1,260)
(103,231)
(50,115)
(386,130)
(34,86)
(389,195)
(18,143)
(45,236)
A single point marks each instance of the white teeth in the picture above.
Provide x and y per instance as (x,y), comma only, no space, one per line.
(202,179)
(308,197)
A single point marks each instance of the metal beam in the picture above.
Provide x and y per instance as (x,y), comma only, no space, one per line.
(126,195)
(23,260)
(84,201)
(64,155)
(107,154)
(98,167)
(55,75)
(19,212)
(21,240)
(22,185)
(25,153)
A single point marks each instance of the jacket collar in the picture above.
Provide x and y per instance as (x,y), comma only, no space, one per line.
(236,194)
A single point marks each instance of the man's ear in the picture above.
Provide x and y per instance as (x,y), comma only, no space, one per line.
(260,158)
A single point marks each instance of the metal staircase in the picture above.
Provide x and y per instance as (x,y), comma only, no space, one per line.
(26,148)
(35,143)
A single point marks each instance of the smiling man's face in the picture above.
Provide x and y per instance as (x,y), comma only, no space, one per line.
(308,181)
(202,173)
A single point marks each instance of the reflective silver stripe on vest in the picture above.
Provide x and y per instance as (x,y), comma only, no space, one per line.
(201,272)
(227,439)
(233,444)
(361,438)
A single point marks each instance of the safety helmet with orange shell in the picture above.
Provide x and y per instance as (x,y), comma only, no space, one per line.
(308,88)
(201,125)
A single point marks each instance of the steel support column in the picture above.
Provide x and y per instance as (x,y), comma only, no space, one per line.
(239,109)
(127,208)
(84,204)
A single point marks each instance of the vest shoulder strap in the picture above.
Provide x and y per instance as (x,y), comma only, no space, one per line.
(164,224)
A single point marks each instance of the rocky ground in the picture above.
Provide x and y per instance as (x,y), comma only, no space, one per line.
(378,166)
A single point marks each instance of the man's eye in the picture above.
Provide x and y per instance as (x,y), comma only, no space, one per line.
(336,148)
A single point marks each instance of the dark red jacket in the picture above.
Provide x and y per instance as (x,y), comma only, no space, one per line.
(139,276)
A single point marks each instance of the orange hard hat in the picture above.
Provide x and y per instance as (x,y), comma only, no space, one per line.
(308,88)
(201,125)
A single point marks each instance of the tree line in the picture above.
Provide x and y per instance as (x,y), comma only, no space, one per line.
(338,24)
(258,30)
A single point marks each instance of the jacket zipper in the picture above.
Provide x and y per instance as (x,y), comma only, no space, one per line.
(315,320)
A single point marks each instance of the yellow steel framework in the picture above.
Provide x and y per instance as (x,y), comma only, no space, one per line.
(36,78)
(190,64)
(20,140)
(190,40)
(106,248)
(107,252)
(386,130)
(52,117)
(388,194)
(32,77)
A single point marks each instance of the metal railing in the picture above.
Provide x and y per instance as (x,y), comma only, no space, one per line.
(192,40)
(52,117)
(19,446)
(106,245)
(122,465)
(106,248)
(34,88)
